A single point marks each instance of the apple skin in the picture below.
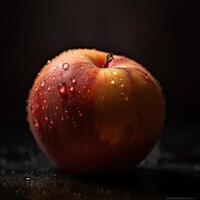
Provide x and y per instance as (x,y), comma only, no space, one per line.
(89,119)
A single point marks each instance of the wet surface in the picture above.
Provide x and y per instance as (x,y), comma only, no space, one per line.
(171,171)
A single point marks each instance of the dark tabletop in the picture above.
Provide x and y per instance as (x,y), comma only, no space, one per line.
(171,171)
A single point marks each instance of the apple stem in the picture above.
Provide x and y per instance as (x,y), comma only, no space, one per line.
(109,58)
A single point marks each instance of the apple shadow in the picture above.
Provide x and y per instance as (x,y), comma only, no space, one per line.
(143,181)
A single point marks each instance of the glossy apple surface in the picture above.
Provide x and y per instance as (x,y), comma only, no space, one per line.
(93,112)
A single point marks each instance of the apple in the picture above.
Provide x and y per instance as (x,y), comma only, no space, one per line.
(95,112)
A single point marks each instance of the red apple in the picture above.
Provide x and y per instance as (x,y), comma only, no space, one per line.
(94,112)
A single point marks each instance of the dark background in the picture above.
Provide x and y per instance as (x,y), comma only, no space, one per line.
(162,35)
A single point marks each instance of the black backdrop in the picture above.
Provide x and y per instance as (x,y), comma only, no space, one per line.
(162,35)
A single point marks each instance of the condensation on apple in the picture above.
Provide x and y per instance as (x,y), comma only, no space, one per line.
(94,112)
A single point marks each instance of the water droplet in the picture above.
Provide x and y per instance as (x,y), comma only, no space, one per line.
(42,83)
(71,89)
(48,61)
(115,73)
(62,89)
(56,107)
(80,113)
(126,97)
(49,88)
(62,118)
(36,89)
(51,121)
(46,119)
(53,77)
(38,74)
(112,82)
(73,80)
(27,178)
(65,66)
(122,85)
(31,106)
(103,97)
(66,111)
(37,125)
(145,76)
(55,67)
(45,101)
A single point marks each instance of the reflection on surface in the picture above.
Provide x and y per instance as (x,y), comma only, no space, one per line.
(139,184)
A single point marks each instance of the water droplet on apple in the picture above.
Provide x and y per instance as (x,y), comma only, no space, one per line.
(71,89)
(62,89)
(114,73)
(80,113)
(49,88)
(36,89)
(112,82)
(56,107)
(62,118)
(65,66)
(145,76)
(126,97)
(122,85)
(53,77)
(61,74)
(42,83)
(55,67)
(46,119)
(48,61)
(51,121)
(73,80)
(74,123)
(45,101)
(36,124)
